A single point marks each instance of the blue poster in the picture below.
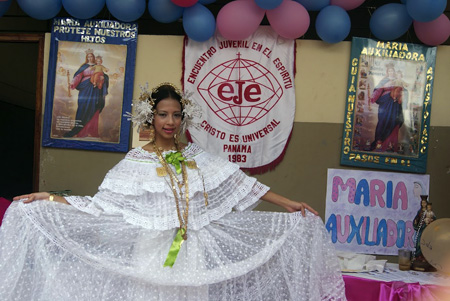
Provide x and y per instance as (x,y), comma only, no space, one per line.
(90,84)
(387,116)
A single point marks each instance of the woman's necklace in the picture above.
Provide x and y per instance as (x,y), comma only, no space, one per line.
(181,235)
(183,219)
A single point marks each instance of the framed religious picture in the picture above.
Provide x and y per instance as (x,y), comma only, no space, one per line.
(90,84)
(387,116)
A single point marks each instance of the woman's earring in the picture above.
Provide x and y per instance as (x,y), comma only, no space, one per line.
(152,134)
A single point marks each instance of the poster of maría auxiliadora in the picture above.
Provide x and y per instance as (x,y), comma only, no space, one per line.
(373,212)
(90,84)
(387,117)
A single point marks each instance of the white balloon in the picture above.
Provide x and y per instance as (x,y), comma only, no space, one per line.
(435,244)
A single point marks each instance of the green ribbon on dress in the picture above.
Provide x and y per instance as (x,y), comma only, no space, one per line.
(175,158)
(175,248)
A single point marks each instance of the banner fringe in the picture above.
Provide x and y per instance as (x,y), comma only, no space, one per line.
(271,166)
(185,41)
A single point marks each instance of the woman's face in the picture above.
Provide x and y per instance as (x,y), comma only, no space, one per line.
(424,204)
(417,190)
(167,119)
(391,72)
(90,58)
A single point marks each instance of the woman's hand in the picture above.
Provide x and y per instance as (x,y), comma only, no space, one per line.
(299,206)
(40,196)
(287,204)
(33,197)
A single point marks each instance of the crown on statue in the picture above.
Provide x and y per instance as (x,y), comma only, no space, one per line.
(89,51)
(389,65)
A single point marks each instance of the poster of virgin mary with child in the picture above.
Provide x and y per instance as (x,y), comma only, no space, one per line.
(388,108)
(86,91)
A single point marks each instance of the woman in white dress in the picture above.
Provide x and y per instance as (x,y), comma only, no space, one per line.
(169,222)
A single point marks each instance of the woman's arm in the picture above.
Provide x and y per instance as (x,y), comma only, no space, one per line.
(41,196)
(286,203)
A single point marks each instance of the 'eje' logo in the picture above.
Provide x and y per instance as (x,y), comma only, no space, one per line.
(240,91)
(250,92)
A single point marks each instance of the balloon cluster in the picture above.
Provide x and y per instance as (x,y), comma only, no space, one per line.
(123,10)
(431,25)
(289,18)
(239,19)
(198,21)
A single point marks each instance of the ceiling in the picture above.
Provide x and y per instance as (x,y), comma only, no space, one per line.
(15,20)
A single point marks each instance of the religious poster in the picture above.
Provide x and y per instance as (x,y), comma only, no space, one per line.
(373,212)
(247,94)
(387,117)
(90,84)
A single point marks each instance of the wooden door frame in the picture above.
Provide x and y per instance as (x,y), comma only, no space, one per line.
(40,40)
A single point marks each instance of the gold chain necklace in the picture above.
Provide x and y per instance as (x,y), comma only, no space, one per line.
(174,180)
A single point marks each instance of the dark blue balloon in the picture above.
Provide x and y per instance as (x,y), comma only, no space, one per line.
(425,10)
(333,24)
(126,10)
(206,1)
(4,6)
(42,9)
(314,5)
(83,9)
(268,4)
(199,23)
(164,11)
(390,21)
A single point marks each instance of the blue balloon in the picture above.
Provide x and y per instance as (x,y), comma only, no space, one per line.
(206,1)
(126,10)
(333,24)
(314,5)
(164,11)
(42,9)
(390,21)
(83,9)
(268,4)
(425,10)
(199,23)
(4,6)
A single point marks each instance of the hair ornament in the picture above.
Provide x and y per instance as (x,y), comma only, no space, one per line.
(144,108)
(191,112)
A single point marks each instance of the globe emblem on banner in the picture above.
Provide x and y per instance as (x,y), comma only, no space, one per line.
(240,91)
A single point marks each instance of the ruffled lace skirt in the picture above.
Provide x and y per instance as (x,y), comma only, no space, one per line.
(50,251)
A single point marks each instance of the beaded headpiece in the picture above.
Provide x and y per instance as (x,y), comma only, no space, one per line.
(144,110)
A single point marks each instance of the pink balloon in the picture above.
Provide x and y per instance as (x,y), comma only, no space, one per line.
(347,4)
(238,20)
(433,33)
(290,20)
(184,3)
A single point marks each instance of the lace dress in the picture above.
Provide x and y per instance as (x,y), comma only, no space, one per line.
(112,246)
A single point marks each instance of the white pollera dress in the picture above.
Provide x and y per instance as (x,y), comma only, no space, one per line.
(112,246)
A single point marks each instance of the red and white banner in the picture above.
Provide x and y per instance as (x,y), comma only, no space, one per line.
(247,94)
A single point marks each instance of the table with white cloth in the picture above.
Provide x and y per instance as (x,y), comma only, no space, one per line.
(393,284)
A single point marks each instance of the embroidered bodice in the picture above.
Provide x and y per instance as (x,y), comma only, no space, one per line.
(134,190)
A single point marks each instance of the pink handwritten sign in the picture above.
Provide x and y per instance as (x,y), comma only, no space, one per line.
(371,212)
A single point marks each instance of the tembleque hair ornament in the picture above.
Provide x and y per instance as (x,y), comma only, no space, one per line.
(144,111)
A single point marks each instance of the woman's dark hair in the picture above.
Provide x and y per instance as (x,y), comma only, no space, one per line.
(163,92)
